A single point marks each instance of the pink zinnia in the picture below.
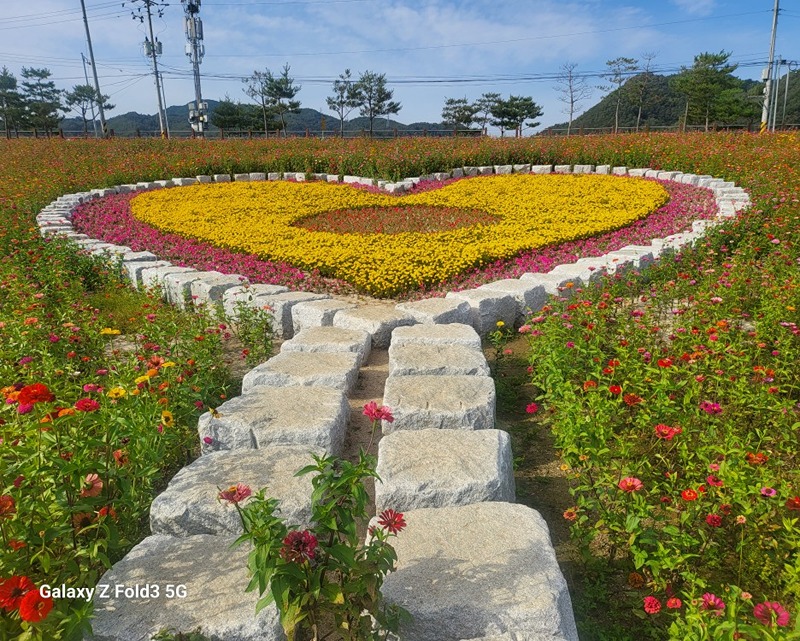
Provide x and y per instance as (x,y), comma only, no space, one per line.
(666,432)
(235,493)
(630,484)
(375,413)
(93,485)
(712,603)
(392,521)
(674,603)
(771,612)
(714,520)
(532,408)
(652,605)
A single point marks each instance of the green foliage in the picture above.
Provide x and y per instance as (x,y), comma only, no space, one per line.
(253,327)
(374,98)
(172,635)
(459,113)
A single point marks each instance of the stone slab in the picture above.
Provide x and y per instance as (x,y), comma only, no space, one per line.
(133,270)
(529,296)
(338,370)
(451,334)
(213,576)
(189,505)
(178,286)
(316,313)
(440,402)
(210,289)
(436,360)
(487,307)
(154,277)
(133,256)
(281,306)
(437,310)
(541,169)
(555,284)
(245,294)
(222,178)
(378,321)
(268,416)
(331,339)
(479,570)
(439,468)
(583,169)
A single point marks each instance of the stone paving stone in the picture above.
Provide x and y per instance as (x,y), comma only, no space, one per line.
(638,172)
(479,570)
(222,178)
(178,286)
(485,171)
(503,169)
(210,289)
(274,175)
(587,270)
(619,171)
(316,313)
(132,256)
(203,179)
(439,468)
(189,504)
(602,169)
(281,306)
(246,294)
(487,307)
(338,370)
(257,176)
(183,182)
(214,577)
(241,177)
(438,311)
(133,270)
(528,295)
(555,284)
(266,416)
(522,169)
(378,321)
(440,402)
(470,171)
(637,257)
(439,360)
(331,339)
(583,169)
(450,334)
(562,169)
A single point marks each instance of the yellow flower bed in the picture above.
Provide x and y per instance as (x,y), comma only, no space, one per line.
(534,210)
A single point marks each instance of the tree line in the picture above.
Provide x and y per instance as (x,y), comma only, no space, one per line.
(36,103)
(508,114)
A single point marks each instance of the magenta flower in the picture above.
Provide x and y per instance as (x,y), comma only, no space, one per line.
(235,493)
(771,613)
(299,546)
(711,408)
(392,521)
(713,604)
(652,605)
(769,492)
(532,408)
(375,413)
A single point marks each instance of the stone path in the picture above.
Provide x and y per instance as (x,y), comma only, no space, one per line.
(472,564)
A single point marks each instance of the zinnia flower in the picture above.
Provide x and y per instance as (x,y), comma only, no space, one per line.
(12,590)
(532,408)
(713,604)
(93,485)
(392,521)
(673,603)
(714,520)
(771,613)
(652,605)
(615,389)
(630,484)
(87,405)
(236,493)
(666,432)
(793,503)
(689,495)
(116,392)
(167,418)
(375,413)
(34,607)
(299,546)
(7,506)
(768,491)
(36,393)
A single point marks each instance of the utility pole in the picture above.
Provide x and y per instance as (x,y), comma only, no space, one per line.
(767,76)
(91,104)
(198,110)
(153,49)
(99,96)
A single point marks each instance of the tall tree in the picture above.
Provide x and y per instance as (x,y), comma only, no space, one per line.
(483,108)
(281,91)
(81,99)
(230,115)
(704,83)
(258,90)
(344,98)
(641,84)
(10,102)
(458,113)
(619,69)
(513,113)
(374,98)
(42,99)
(572,90)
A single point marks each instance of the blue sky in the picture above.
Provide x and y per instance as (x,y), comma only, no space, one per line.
(429,50)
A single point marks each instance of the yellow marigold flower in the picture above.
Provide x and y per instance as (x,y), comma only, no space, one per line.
(168,364)
(116,392)
(142,379)
(501,324)
(167,418)
(107,331)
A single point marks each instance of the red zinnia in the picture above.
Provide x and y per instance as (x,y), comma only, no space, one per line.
(375,413)
(666,432)
(587,385)
(299,546)
(652,605)
(615,389)
(689,495)
(34,607)
(36,393)
(630,484)
(12,590)
(87,405)
(771,611)
(757,458)
(236,493)
(665,362)
(714,520)
(7,506)
(392,521)
(793,503)
(673,603)
(532,408)
(632,399)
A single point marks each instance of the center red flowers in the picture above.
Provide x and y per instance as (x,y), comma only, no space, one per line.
(375,413)
(299,546)
(630,484)
(7,506)
(87,405)
(36,393)
(666,432)
(236,493)
(34,607)
(12,590)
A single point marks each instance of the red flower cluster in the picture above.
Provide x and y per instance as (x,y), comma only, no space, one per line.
(375,413)
(20,593)
(36,393)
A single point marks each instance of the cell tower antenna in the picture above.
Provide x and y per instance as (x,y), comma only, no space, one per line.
(198,110)
(153,49)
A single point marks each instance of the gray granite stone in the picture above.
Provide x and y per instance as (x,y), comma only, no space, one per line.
(338,370)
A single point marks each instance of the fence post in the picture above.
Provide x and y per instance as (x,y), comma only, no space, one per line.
(249,134)
(221,133)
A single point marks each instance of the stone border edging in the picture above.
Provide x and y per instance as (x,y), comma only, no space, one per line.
(507,300)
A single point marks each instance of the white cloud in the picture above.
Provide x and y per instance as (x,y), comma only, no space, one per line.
(696,7)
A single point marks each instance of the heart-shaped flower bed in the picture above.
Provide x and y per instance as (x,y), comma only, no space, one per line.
(521,212)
